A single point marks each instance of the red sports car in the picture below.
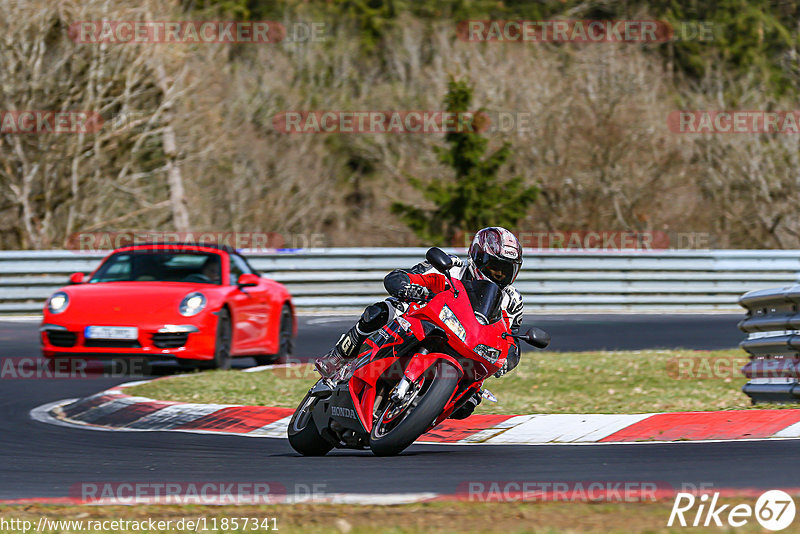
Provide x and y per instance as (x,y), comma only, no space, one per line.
(199,304)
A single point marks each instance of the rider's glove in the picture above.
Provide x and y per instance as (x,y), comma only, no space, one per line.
(503,370)
(413,293)
(457,262)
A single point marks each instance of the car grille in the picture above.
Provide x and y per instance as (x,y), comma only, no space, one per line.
(112,343)
(170,340)
(62,338)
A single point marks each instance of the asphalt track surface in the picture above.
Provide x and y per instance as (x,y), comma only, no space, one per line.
(42,460)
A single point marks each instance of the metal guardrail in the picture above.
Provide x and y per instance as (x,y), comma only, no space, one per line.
(346,278)
(772,325)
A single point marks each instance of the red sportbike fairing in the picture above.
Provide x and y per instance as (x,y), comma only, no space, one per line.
(412,374)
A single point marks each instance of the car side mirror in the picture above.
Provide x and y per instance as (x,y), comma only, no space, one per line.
(76,278)
(536,337)
(439,259)
(247,280)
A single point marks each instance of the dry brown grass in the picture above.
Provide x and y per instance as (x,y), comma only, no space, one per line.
(597,141)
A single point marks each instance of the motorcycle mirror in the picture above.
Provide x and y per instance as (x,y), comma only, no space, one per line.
(536,337)
(439,259)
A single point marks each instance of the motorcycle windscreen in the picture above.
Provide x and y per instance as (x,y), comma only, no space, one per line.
(485,297)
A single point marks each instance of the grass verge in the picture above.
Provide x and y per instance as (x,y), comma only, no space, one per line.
(545,382)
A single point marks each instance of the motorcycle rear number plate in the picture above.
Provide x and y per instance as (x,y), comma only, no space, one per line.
(111,332)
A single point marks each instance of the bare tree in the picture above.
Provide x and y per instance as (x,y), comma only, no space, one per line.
(63,183)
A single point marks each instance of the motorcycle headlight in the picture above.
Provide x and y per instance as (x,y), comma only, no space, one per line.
(192,304)
(490,354)
(449,318)
(58,302)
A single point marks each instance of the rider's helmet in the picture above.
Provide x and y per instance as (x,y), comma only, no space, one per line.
(495,254)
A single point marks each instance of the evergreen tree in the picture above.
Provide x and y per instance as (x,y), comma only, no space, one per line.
(476,197)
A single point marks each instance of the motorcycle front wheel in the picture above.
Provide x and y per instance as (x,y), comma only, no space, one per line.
(400,425)
(303,434)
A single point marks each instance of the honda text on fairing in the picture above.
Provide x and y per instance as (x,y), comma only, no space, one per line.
(413,373)
(199,304)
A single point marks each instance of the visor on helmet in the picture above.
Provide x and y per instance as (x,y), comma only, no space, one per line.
(501,272)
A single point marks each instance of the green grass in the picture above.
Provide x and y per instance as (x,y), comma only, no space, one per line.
(545,382)
(280,387)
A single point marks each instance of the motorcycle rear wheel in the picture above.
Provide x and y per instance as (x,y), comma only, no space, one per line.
(388,438)
(303,434)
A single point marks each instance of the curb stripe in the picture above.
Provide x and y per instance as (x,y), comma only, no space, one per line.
(485,435)
(708,425)
(108,410)
(792,431)
(127,415)
(113,409)
(237,419)
(172,416)
(273,430)
(84,405)
(566,428)
(451,430)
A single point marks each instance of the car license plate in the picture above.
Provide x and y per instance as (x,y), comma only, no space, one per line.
(111,332)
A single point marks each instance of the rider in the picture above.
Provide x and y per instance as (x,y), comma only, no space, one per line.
(495,254)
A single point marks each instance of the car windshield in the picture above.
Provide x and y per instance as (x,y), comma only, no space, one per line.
(160,266)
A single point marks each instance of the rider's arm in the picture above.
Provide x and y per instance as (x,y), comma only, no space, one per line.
(421,274)
(514,308)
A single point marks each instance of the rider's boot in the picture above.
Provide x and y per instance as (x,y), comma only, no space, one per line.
(330,365)
(333,365)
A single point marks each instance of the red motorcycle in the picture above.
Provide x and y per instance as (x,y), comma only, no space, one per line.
(412,374)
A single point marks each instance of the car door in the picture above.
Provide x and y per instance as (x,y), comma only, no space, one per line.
(251,310)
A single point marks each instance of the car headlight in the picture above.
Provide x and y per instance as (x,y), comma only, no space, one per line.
(192,304)
(449,318)
(58,302)
(490,354)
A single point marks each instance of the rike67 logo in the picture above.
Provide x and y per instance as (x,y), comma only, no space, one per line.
(774,510)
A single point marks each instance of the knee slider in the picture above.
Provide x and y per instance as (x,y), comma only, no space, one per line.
(374,317)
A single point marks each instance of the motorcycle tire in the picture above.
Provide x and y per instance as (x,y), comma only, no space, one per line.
(417,420)
(303,434)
